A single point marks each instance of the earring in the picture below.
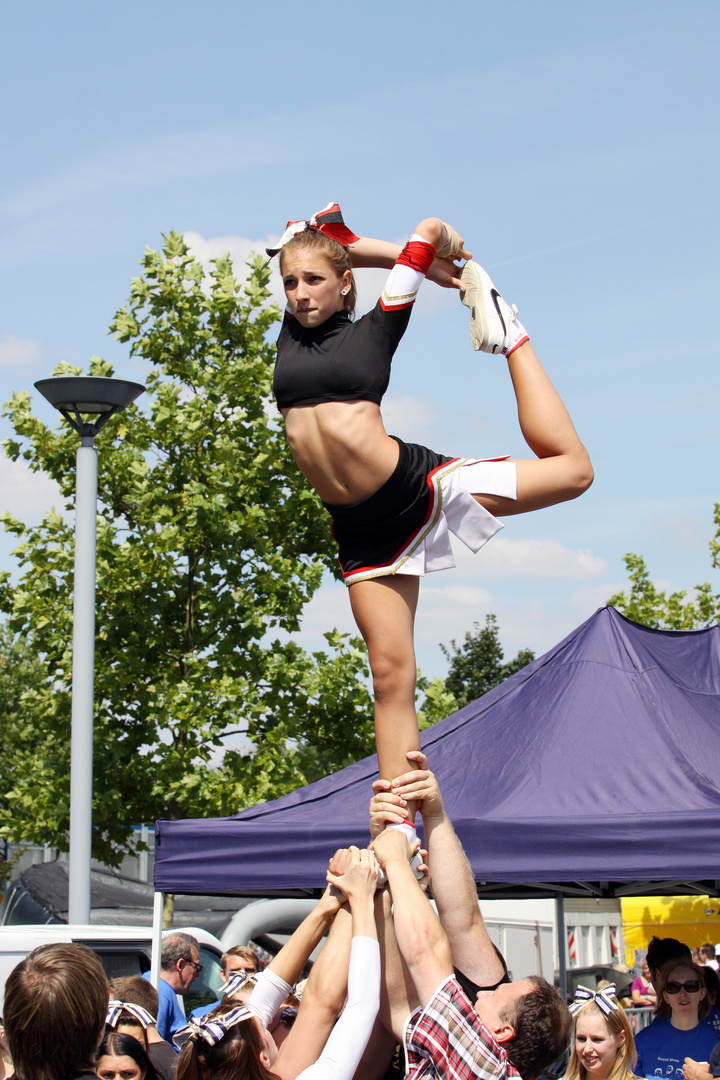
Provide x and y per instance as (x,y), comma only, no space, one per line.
(345,292)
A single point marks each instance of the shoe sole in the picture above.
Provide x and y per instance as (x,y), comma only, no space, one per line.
(479,294)
(473,287)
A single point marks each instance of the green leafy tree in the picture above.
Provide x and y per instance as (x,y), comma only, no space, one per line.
(475,667)
(23,736)
(438,702)
(209,542)
(646,604)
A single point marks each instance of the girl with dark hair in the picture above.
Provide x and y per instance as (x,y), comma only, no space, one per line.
(122,1057)
(234,1041)
(393,505)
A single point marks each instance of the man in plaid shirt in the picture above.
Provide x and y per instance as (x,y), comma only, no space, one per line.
(511,1029)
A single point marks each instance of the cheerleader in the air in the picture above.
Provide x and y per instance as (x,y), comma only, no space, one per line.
(393,504)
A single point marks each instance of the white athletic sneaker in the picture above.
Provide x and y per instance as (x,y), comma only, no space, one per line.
(491,317)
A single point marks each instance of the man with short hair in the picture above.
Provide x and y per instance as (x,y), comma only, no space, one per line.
(179,968)
(507,1029)
(56,1000)
(238,959)
(707,956)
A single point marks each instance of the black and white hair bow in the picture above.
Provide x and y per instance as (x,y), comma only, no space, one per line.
(237,981)
(212,1029)
(602,998)
(116,1008)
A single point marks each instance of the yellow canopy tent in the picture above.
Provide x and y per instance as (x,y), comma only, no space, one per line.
(693,920)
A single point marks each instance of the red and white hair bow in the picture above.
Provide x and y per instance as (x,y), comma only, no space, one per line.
(328,221)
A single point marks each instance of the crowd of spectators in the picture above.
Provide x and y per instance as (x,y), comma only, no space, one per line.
(398,989)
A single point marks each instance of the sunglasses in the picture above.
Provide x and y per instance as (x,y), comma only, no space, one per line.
(690,987)
(198,967)
(286,1016)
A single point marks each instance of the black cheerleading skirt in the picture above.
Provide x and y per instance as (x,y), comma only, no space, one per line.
(372,535)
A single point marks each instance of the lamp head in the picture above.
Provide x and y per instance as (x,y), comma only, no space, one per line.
(74,395)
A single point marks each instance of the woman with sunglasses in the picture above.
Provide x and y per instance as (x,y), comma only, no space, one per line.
(679,1030)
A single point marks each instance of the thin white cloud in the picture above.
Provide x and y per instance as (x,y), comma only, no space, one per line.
(239,248)
(151,162)
(536,623)
(685,530)
(504,557)
(370,284)
(18,352)
(329,609)
(448,612)
(410,418)
(27,495)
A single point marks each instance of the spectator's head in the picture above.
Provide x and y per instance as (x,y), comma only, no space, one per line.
(662,951)
(707,953)
(529,1019)
(122,1057)
(180,961)
(56,1000)
(128,1025)
(603,1047)
(137,991)
(712,985)
(682,992)
(695,955)
(239,958)
(246,1049)
(129,1019)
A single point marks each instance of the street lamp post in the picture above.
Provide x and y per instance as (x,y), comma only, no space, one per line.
(77,397)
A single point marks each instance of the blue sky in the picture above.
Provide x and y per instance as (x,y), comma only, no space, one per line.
(574,146)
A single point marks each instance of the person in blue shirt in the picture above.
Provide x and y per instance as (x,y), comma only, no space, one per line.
(179,968)
(679,1031)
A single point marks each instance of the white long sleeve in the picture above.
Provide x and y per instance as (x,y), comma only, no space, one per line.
(268,995)
(349,1037)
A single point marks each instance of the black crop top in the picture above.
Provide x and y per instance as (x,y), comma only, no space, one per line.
(340,360)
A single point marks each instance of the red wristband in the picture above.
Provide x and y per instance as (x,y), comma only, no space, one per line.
(418,254)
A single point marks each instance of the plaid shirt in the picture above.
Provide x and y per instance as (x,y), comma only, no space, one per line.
(448,1041)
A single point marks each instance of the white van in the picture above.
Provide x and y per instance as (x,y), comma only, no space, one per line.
(123,950)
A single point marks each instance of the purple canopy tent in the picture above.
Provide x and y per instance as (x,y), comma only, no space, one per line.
(593,771)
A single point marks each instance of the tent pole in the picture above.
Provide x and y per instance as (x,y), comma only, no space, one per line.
(560,921)
(156,938)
